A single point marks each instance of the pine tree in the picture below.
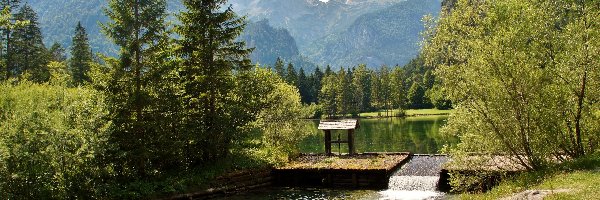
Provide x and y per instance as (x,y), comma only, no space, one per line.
(292,76)
(209,52)
(28,53)
(328,71)
(138,27)
(304,86)
(81,56)
(5,50)
(57,53)
(317,78)
(279,68)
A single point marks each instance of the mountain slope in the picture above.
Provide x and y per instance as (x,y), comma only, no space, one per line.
(309,20)
(58,19)
(390,36)
(269,43)
(339,32)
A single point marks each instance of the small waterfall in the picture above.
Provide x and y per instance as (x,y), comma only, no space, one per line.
(413,183)
(416,180)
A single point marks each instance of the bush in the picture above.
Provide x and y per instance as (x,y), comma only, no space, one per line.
(312,111)
(399,113)
(50,140)
(278,128)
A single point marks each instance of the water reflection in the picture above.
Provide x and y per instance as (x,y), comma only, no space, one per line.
(414,134)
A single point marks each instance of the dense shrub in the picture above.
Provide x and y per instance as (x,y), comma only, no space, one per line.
(50,141)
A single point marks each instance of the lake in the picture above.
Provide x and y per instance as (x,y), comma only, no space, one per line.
(419,135)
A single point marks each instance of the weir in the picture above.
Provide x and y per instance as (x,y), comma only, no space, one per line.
(417,179)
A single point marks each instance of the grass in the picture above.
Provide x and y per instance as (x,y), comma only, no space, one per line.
(580,179)
(409,113)
(359,162)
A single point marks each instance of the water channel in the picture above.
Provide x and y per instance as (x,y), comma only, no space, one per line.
(419,135)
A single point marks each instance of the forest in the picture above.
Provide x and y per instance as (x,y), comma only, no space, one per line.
(151,121)
(352,91)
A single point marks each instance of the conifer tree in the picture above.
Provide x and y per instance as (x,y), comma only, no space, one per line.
(317,78)
(28,53)
(138,27)
(279,68)
(291,76)
(209,52)
(57,53)
(304,87)
(81,56)
(328,70)
(6,30)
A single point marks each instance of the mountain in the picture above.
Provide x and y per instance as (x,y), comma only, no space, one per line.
(309,20)
(337,32)
(269,43)
(58,19)
(390,36)
(347,32)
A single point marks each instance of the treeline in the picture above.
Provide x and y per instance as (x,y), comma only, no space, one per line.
(24,55)
(351,91)
(177,99)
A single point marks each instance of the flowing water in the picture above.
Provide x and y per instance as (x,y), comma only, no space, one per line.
(418,179)
(418,135)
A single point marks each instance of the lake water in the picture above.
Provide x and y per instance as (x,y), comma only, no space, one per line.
(420,135)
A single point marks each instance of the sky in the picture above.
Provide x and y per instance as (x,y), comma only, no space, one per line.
(324,1)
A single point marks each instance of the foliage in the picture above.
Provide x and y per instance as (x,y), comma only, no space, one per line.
(520,75)
(328,96)
(29,55)
(81,57)
(279,118)
(51,141)
(208,54)
(138,87)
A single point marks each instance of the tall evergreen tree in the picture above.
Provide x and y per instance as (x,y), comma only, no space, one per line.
(279,68)
(291,76)
(28,53)
(57,53)
(5,50)
(304,87)
(317,79)
(138,28)
(81,56)
(209,51)
(328,71)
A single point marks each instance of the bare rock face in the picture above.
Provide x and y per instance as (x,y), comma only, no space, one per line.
(534,194)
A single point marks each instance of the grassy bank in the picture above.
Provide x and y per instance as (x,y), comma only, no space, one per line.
(573,180)
(408,113)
